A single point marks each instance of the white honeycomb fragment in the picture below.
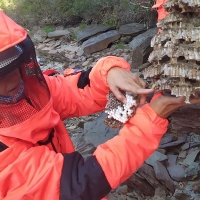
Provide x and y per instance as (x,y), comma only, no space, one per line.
(117,112)
(122,113)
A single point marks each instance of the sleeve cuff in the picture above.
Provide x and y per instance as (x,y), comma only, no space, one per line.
(105,64)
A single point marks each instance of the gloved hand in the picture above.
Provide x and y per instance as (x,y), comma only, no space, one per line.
(121,79)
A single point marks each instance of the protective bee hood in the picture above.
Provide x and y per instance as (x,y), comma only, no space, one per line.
(22,84)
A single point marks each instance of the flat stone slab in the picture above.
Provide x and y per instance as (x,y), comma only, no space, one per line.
(143,39)
(91,31)
(163,176)
(132,29)
(173,144)
(191,157)
(176,172)
(100,42)
(141,47)
(156,156)
(96,132)
(167,139)
(58,33)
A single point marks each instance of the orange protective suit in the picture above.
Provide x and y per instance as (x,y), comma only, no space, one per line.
(160,9)
(52,170)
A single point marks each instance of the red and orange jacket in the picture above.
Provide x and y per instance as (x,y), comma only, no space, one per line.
(53,170)
(160,9)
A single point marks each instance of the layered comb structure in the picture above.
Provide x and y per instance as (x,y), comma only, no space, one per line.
(117,112)
(175,60)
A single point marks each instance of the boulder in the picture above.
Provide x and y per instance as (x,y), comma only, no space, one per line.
(100,42)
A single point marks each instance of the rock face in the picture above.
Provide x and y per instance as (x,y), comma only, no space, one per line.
(186,119)
(176,55)
(141,47)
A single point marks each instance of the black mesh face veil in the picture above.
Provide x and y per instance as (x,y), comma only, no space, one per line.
(23,89)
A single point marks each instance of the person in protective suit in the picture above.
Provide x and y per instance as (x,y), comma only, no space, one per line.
(38,160)
(159,5)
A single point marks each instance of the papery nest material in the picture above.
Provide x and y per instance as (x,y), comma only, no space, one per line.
(117,112)
(175,59)
(184,6)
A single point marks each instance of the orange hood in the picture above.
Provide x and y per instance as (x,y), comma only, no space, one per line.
(36,128)
(10,32)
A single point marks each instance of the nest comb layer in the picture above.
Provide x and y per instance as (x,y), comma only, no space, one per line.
(117,112)
(183,5)
(188,51)
(175,35)
(175,60)
(176,20)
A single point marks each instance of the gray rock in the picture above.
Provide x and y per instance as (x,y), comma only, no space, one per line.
(163,176)
(96,132)
(132,29)
(176,172)
(182,194)
(141,47)
(143,66)
(147,172)
(156,156)
(191,157)
(186,119)
(125,39)
(192,171)
(159,194)
(172,144)
(58,33)
(122,189)
(167,138)
(171,159)
(39,36)
(192,150)
(185,146)
(100,42)
(182,154)
(140,185)
(91,31)
(194,138)
(196,186)
(85,148)
(192,145)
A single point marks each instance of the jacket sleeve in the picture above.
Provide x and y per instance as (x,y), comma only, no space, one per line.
(71,99)
(32,173)
(114,161)
(121,156)
(38,173)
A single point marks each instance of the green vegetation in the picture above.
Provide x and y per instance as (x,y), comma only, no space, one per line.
(7,4)
(82,25)
(49,13)
(74,35)
(48,28)
(120,46)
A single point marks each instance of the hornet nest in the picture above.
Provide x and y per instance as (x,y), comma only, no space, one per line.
(117,112)
(175,59)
